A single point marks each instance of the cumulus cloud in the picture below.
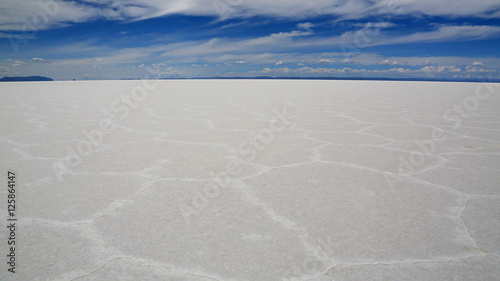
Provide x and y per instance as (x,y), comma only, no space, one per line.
(279,63)
(469,69)
(428,71)
(441,69)
(326,61)
(308,71)
(478,63)
(98,60)
(37,60)
(401,70)
(388,62)
(18,63)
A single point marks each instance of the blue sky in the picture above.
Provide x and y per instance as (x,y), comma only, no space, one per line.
(111,39)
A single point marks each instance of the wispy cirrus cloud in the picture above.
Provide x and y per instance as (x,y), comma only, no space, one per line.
(214,46)
(450,32)
(14,14)
(297,40)
(298,9)
(442,33)
(283,46)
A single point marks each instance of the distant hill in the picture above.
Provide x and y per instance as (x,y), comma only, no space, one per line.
(26,78)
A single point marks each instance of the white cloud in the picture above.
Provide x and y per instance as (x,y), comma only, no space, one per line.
(279,63)
(441,69)
(227,46)
(299,39)
(481,8)
(469,69)
(326,61)
(427,71)
(376,24)
(308,71)
(448,32)
(401,70)
(275,49)
(38,60)
(174,72)
(478,63)
(388,62)
(61,12)
(18,63)
(34,15)
(241,62)
(299,8)
(354,41)
(305,25)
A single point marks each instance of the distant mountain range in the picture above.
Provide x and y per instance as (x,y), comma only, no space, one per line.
(25,78)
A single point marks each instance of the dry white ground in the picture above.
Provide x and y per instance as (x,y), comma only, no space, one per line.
(252,180)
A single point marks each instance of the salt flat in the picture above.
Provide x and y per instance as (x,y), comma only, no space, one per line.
(252,180)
